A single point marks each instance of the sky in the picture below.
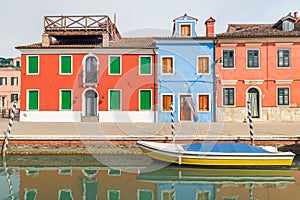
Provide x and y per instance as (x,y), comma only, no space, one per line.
(22,21)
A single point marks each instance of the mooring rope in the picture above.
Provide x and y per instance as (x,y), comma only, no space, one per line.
(250,123)
(4,149)
(172,123)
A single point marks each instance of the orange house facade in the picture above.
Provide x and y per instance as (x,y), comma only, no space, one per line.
(259,64)
(92,75)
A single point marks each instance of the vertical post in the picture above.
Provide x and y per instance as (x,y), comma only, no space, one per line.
(250,123)
(172,123)
(9,129)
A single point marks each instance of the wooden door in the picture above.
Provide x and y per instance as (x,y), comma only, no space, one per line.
(185,110)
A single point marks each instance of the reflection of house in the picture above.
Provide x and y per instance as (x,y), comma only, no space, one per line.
(9,82)
(83,184)
(259,63)
(86,71)
(186,72)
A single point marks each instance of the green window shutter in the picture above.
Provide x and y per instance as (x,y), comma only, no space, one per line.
(115,97)
(65,195)
(65,64)
(33,100)
(66,100)
(30,195)
(253,58)
(145,65)
(33,65)
(14,97)
(228,96)
(228,59)
(113,194)
(1,78)
(145,100)
(11,80)
(115,65)
(145,195)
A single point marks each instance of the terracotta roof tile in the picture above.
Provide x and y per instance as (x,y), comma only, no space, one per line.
(133,43)
(256,30)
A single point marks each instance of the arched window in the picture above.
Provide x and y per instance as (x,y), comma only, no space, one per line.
(91,70)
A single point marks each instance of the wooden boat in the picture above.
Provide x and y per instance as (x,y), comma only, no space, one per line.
(217,154)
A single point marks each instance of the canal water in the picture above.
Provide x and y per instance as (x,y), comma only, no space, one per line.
(130,177)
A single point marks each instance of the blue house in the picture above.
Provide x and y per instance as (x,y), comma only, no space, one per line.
(186,72)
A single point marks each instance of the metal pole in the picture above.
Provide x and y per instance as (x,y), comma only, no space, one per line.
(250,123)
(9,129)
(172,123)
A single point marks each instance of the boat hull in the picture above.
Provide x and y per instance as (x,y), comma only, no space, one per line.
(216,159)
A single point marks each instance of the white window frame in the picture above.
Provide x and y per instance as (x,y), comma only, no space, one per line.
(161,103)
(161,64)
(247,67)
(121,71)
(209,102)
(60,98)
(29,190)
(143,56)
(140,99)
(277,58)
(234,59)
(140,190)
(209,64)
(83,65)
(108,103)
(119,192)
(27,99)
(277,96)
(234,105)
(60,73)
(65,190)
(27,65)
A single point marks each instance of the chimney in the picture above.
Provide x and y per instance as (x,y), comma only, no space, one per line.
(296,15)
(210,27)
(45,40)
(105,40)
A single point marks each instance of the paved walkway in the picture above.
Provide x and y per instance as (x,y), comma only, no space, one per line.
(137,131)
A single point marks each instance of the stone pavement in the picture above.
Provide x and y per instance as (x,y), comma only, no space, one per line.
(150,131)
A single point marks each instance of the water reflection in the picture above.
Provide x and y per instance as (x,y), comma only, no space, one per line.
(129,178)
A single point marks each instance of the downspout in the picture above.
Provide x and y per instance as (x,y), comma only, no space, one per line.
(154,84)
(215,82)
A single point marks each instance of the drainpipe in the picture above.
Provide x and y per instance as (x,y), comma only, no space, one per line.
(215,83)
(154,83)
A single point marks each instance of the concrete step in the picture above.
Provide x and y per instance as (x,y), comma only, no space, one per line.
(89,119)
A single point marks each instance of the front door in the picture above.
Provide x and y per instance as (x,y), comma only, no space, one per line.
(185,109)
(253,98)
(91,103)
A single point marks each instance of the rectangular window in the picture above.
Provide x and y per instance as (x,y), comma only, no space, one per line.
(167,100)
(203,65)
(3,80)
(167,65)
(145,65)
(14,81)
(203,195)
(283,58)
(283,96)
(65,65)
(18,63)
(65,99)
(228,58)
(115,65)
(32,65)
(203,102)
(65,195)
(253,58)
(145,99)
(113,194)
(145,195)
(14,97)
(33,100)
(30,194)
(114,172)
(185,30)
(115,100)
(228,97)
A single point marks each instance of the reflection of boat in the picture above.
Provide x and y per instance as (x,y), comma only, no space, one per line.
(206,175)
(218,154)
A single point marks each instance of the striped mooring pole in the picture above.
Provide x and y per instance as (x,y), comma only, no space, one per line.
(9,129)
(172,123)
(250,123)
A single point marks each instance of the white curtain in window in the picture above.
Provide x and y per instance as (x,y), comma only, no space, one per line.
(252,97)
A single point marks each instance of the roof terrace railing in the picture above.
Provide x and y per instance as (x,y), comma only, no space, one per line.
(77,23)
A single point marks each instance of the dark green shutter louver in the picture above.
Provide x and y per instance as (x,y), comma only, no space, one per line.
(66,100)
(145,65)
(33,65)
(66,65)
(145,100)
(115,65)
